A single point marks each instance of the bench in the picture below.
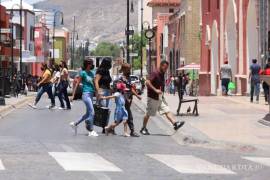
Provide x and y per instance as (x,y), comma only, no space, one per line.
(195,111)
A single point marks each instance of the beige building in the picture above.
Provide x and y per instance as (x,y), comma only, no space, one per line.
(185,25)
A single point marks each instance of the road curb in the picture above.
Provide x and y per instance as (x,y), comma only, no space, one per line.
(9,108)
(188,137)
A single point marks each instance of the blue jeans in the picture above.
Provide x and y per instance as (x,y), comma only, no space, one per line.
(255,89)
(48,89)
(89,115)
(105,102)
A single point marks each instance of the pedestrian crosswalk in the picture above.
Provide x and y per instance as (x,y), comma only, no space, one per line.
(180,163)
(83,162)
(190,164)
(2,167)
(261,160)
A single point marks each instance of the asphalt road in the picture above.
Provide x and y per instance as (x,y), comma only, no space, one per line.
(40,145)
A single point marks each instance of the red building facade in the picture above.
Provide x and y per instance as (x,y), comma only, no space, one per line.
(5,44)
(229,33)
(42,47)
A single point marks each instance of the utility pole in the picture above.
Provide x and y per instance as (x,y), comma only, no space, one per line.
(21,34)
(142,4)
(73,43)
(127,33)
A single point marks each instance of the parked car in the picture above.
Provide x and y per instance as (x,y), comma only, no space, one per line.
(73,79)
(136,81)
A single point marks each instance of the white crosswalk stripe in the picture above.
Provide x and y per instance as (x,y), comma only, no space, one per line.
(261,160)
(2,167)
(187,164)
(83,162)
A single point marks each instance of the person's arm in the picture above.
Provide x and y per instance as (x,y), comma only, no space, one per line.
(96,81)
(108,97)
(134,92)
(75,88)
(150,85)
(46,78)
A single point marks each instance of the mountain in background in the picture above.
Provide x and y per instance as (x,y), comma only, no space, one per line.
(99,20)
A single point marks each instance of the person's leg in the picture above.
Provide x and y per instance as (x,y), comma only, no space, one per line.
(251,92)
(66,98)
(145,120)
(126,129)
(90,118)
(39,94)
(130,117)
(257,91)
(48,89)
(226,84)
(86,115)
(60,97)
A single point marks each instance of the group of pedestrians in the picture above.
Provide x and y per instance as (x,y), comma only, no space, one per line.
(54,82)
(98,83)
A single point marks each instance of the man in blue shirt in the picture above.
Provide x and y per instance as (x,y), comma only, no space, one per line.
(254,77)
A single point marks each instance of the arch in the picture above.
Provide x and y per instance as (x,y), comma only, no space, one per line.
(214,58)
(231,35)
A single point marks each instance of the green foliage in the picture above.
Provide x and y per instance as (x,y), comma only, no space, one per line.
(136,44)
(106,49)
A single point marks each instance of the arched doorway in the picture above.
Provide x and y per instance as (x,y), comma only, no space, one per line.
(252,35)
(231,35)
(214,58)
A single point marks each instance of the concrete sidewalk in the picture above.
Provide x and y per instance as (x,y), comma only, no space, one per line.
(224,119)
(13,103)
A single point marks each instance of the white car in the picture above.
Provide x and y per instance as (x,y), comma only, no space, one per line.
(136,80)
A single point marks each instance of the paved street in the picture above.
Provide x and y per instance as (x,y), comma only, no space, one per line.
(39,144)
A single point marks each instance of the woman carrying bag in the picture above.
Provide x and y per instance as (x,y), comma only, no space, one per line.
(87,79)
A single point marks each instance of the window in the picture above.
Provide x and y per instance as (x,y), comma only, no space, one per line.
(209,5)
(171,10)
(217,4)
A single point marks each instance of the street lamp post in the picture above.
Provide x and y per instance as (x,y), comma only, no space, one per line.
(142,37)
(127,28)
(54,24)
(73,42)
(21,34)
(149,34)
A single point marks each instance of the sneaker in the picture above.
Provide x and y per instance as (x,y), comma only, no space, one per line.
(73,126)
(134,134)
(32,106)
(60,108)
(126,135)
(144,131)
(52,107)
(93,134)
(178,125)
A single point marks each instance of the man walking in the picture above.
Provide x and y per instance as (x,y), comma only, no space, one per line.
(155,99)
(226,77)
(254,77)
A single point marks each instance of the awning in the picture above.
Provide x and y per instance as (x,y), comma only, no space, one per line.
(191,66)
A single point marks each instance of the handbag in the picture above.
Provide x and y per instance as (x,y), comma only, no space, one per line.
(231,86)
(102,116)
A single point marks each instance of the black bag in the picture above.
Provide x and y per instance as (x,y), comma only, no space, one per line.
(102,116)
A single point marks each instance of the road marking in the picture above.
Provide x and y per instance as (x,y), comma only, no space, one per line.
(190,164)
(2,167)
(261,160)
(83,162)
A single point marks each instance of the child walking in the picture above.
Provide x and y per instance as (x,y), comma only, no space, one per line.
(121,114)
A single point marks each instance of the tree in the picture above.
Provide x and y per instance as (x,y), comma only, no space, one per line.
(107,49)
(136,43)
